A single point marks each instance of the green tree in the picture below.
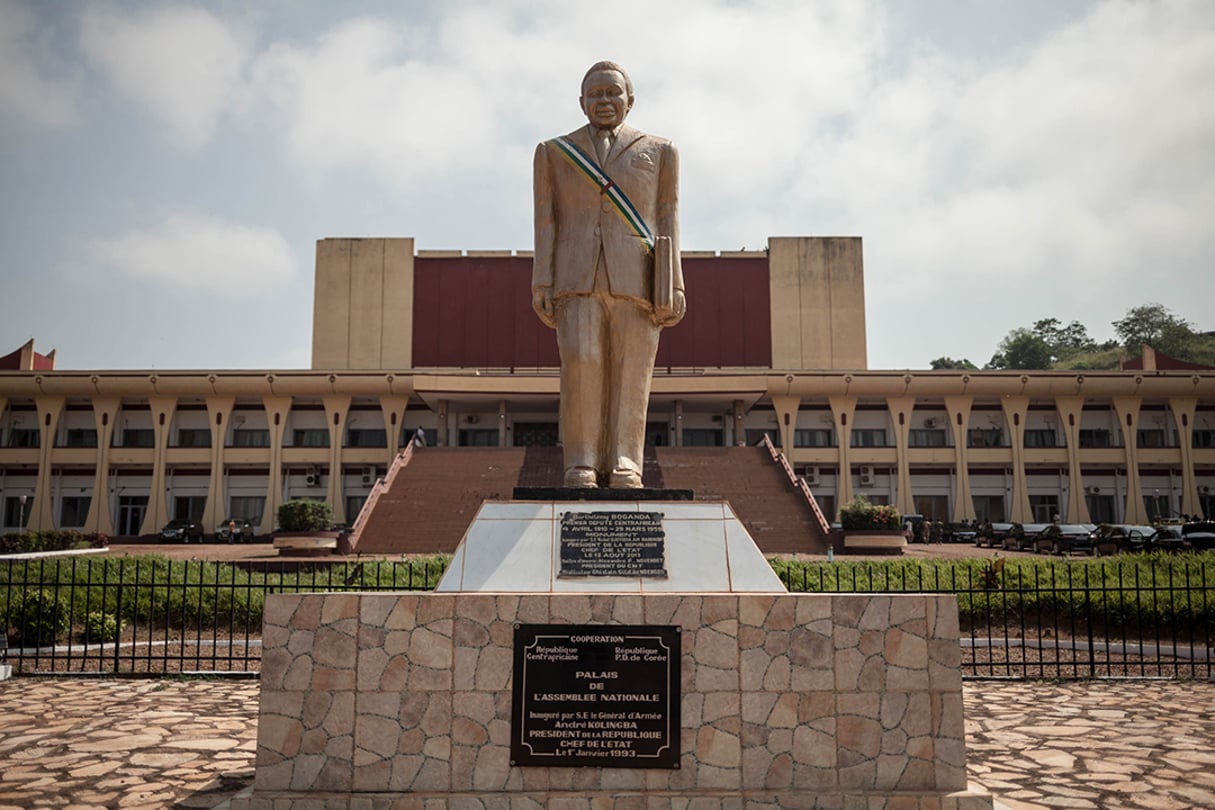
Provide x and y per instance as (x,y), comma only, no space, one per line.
(1064,341)
(1022,349)
(944,363)
(1159,328)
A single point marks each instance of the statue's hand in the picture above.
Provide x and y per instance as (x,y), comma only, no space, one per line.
(679,308)
(542,302)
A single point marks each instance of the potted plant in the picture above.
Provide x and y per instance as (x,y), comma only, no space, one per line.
(872,528)
(305,528)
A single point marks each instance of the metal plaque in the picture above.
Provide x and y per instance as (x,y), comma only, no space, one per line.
(596,695)
(613,544)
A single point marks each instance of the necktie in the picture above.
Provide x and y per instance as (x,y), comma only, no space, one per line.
(603,145)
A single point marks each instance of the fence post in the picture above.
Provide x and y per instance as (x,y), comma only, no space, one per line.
(118,612)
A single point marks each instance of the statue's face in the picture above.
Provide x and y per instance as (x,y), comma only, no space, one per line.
(605,99)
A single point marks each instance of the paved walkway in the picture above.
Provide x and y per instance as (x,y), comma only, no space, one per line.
(170,743)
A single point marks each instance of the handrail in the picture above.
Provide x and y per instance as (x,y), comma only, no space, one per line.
(381,485)
(799,484)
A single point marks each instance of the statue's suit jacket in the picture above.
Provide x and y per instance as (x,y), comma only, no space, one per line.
(574,221)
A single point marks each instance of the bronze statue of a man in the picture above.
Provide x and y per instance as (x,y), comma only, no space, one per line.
(606,275)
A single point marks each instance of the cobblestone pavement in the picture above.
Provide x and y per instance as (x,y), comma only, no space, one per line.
(172,743)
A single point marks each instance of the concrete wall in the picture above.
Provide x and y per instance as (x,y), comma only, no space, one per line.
(818,303)
(363,304)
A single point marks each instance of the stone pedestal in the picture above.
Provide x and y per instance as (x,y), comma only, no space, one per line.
(788,700)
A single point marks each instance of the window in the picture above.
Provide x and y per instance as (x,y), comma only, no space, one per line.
(1100,508)
(989,508)
(479,437)
(933,507)
(354,504)
(73,511)
(249,507)
(138,437)
(1150,438)
(1044,507)
(431,436)
(15,514)
(24,437)
(80,437)
(189,507)
(250,437)
(1040,438)
(1095,438)
(310,438)
(194,437)
(826,503)
(814,438)
(366,438)
(926,438)
(702,437)
(755,437)
(868,437)
(1204,438)
(1158,507)
(985,437)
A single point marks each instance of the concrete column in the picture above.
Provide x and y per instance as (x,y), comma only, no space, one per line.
(1015,410)
(958,409)
(1183,410)
(337,406)
(842,409)
(678,437)
(42,518)
(502,437)
(162,427)
(441,429)
(393,408)
(901,409)
(1071,409)
(105,414)
(786,419)
(1127,409)
(219,414)
(738,411)
(278,410)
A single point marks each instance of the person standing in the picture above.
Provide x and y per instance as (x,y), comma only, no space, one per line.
(606,205)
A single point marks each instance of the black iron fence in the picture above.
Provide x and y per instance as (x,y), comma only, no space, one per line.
(1142,616)
(1123,617)
(147,616)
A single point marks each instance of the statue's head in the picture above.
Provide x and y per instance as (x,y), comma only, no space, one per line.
(607,94)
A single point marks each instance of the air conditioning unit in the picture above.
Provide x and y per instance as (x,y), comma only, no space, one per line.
(1205,490)
(1093,490)
(472,419)
(866,476)
(368,475)
(313,479)
(930,422)
(811,477)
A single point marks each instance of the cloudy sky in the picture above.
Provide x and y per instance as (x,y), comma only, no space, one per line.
(166,168)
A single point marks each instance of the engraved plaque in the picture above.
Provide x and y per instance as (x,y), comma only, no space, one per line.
(597,695)
(613,544)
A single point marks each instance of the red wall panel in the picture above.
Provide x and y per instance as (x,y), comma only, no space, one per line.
(476,312)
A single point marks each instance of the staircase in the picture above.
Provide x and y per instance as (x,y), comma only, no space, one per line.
(429,503)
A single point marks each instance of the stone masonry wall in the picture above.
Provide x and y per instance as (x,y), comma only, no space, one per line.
(799,700)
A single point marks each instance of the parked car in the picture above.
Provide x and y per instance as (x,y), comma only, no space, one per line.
(1064,538)
(991,534)
(182,531)
(960,533)
(1168,538)
(1021,536)
(234,530)
(1111,538)
(1200,535)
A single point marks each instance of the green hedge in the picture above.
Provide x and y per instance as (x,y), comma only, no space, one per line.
(1140,591)
(30,542)
(152,590)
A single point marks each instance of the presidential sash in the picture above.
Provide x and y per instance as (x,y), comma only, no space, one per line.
(589,169)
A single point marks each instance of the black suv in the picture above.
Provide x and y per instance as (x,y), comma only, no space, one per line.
(182,531)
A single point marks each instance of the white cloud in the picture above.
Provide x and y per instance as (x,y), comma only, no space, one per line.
(183,65)
(25,93)
(198,252)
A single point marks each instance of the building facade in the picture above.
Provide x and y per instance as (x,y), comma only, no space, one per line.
(446,342)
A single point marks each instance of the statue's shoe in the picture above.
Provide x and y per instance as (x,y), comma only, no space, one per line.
(623,478)
(581,478)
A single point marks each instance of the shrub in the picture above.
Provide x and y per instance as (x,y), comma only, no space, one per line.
(860,515)
(40,618)
(304,516)
(100,626)
(66,540)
